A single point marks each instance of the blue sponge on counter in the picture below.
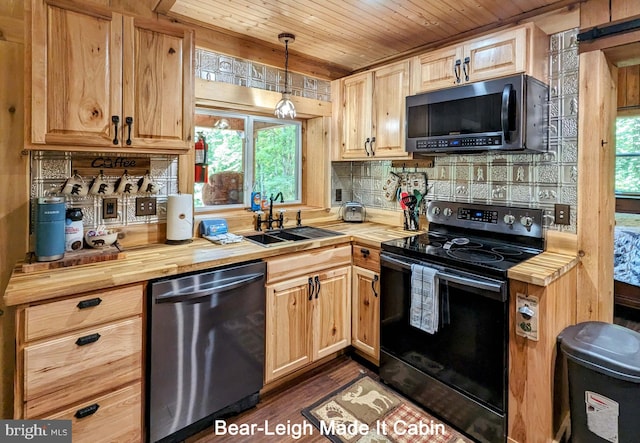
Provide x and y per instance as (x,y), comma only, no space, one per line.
(214,226)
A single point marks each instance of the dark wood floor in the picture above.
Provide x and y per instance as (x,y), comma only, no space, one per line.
(285,405)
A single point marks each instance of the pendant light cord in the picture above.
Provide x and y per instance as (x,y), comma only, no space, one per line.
(286,66)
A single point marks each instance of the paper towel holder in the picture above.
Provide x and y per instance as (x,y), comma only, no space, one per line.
(182,215)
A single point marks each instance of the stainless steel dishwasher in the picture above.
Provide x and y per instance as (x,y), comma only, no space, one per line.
(205,355)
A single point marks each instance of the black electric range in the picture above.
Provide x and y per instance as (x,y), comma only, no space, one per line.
(473,237)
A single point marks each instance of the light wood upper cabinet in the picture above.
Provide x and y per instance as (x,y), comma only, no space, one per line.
(520,49)
(100,79)
(371,113)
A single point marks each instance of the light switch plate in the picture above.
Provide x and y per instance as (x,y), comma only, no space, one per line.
(562,214)
(145,206)
(527,327)
(109,208)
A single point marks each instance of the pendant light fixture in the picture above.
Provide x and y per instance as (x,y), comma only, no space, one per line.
(285,107)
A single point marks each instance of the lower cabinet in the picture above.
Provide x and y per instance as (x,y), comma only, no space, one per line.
(112,417)
(365,305)
(80,358)
(538,388)
(308,313)
(365,322)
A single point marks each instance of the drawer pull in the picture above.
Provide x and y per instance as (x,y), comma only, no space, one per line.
(89,303)
(365,252)
(85,412)
(87,339)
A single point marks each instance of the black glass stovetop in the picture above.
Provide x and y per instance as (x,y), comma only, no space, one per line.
(466,250)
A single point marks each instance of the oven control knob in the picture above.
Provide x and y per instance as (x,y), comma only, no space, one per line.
(436,210)
(526,221)
(509,219)
(447,212)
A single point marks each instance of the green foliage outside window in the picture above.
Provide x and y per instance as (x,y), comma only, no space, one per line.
(627,155)
(275,159)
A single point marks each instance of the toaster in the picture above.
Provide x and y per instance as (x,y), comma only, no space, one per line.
(353,212)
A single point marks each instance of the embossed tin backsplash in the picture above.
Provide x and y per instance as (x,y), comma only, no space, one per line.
(50,170)
(530,180)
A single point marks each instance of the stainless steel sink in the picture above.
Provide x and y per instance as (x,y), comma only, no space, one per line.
(297,233)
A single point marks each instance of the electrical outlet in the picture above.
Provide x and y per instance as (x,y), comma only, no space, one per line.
(338,195)
(109,208)
(562,216)
(145,206)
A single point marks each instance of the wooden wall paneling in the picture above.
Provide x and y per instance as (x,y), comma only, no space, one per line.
(633,85)
(596,157)
(622,88)
(594,13)
(629,86)
(624,9)
(14,202)
(316,161)
(12,21)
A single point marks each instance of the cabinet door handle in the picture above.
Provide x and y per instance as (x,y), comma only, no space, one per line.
(85,412)
(317,279)
(373,285)
(129,122)
(115,119)
(89,303)
(466,68)
(365,146)
(365,252)
(311,288)
(88,339)
(456,70)
(373,139)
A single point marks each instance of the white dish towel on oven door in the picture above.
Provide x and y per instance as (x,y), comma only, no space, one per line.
(424,310)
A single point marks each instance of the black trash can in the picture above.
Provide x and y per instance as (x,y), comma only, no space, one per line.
(604,382)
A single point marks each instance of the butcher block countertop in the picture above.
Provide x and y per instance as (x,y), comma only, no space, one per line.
(160,260)
(544,268)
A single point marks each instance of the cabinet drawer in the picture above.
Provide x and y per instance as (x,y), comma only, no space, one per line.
(80,312)
(118,417)
(307,262)
(64,370)
(366,257)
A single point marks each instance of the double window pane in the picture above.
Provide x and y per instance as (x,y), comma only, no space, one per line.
(237,154)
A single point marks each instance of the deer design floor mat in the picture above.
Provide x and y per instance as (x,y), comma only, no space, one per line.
(365,411)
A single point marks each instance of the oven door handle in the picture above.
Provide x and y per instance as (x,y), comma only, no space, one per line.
(488,285)
(479,284)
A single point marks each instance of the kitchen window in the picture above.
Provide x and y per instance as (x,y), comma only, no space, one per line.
(628,155)
(236,154)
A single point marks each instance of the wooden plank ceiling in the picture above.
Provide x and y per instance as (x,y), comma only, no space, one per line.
(355,34)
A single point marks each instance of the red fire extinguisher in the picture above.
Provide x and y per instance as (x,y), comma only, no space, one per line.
(201,175)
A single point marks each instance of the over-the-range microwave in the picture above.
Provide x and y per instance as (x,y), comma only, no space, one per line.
(507,114)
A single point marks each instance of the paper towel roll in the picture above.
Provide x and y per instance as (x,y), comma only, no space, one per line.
(179,218)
